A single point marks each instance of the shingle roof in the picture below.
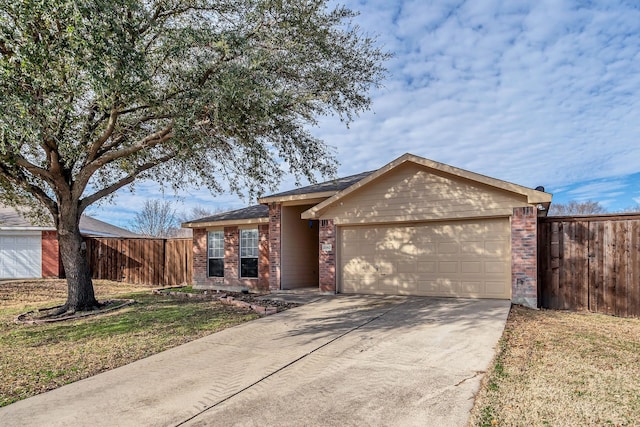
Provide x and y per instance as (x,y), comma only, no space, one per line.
(255,211)
(262,211)
(337,184)
(9,217)
(89,226)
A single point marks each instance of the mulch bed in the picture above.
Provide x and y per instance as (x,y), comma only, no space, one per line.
(255,302)
(262,306)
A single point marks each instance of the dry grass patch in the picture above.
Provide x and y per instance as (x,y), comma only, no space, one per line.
(37,358)
(558,368)
(23,295)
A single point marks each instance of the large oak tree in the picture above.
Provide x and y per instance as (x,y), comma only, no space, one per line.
(96,94)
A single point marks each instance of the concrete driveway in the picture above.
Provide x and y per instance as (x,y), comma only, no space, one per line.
(344,360)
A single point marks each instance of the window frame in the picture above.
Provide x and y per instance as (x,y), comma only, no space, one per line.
(219,250)
(255,249)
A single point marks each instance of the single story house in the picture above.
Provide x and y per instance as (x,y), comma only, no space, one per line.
(412,227)
(29,251)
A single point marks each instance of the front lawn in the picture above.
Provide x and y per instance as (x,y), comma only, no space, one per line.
(37,358)
(557,368)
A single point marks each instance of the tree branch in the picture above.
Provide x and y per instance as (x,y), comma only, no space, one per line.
(149,141)
(20,180)
(82,179)
(95,146)
(123,181)
(121,137)
(33,169)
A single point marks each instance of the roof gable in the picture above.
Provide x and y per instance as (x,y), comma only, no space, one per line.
(529,195)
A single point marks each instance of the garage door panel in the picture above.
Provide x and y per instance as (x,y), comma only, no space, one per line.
(407,267)
(448,248)
(387,285)
(472,288)
(21,255)
(474,267)
(446,267)
(495,248)
(472,248)
(461,258)
(426,266)
(407,280)
(494,288)
(495,267)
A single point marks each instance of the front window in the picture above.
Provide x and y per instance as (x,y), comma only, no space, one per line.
(249,253)
(215,253)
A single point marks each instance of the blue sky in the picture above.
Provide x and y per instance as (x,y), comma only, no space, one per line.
(536,93)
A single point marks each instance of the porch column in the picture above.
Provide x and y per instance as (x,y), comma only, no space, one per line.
(275,218)
(524,257)
(327,256)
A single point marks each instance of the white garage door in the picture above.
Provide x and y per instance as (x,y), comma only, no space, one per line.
(458,258)
(20,255)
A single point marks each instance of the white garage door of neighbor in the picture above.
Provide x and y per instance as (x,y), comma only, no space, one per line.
(470,258)
(20,255)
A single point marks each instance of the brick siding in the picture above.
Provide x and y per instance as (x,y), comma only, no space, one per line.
(51,266)
(275,219)
(524,259)
(231,280)
(327,259)
(263,260)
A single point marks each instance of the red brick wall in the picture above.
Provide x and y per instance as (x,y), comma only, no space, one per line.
(200,256)
(275,218)
(524,259)
(263,261)
(231,255)
(327,261)
(51,266)
(231,279)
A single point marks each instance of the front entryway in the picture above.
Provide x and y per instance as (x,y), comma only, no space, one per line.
(299,246)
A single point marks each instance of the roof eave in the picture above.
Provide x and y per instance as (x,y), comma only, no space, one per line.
(296,197)
(208,224)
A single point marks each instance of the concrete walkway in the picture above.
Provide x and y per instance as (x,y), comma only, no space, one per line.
(345,360)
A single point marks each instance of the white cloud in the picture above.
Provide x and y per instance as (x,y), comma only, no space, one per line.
(536,92)
(545,93)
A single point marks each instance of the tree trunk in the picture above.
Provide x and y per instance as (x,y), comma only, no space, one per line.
(73,250)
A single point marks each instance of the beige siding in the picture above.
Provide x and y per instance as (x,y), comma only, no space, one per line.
(299,249)
(456,258)
(414,193)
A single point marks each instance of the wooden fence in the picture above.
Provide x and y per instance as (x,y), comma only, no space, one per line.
(152,262)
(590,263)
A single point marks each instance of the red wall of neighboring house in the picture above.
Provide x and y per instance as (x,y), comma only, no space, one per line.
(51,265)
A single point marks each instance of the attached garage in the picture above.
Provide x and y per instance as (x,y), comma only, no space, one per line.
(20,254)
(419,227)
(460,258)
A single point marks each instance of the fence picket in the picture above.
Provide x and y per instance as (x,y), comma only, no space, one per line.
(590,263)
(150,262)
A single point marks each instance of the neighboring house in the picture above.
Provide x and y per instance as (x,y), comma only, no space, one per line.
(31,251)
(412,227)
